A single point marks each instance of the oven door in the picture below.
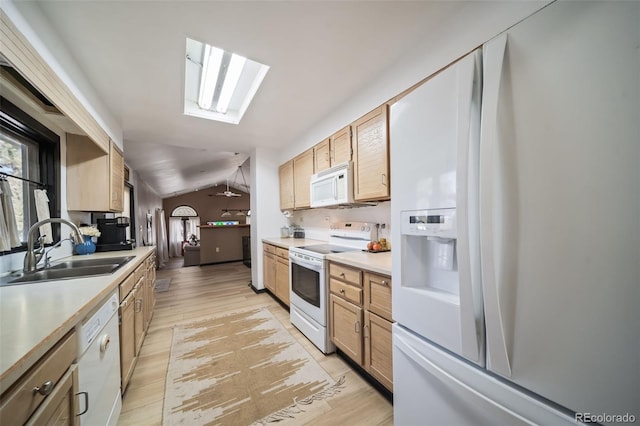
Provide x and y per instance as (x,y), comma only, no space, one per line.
(308,287)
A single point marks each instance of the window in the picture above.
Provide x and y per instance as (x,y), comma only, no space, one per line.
(183,223)
(219,85)
(30,151)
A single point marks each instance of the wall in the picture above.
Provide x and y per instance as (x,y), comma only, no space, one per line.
(208,205)
(266,218)
(146,201)
(222,244)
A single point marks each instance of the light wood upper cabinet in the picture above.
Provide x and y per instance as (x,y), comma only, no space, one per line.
(95,180)
(322,156)
(286,186)
(371,156)
(116,179)
(302,171)
(340,143)
(334,150)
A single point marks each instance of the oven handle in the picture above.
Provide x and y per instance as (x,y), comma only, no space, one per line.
(309,265)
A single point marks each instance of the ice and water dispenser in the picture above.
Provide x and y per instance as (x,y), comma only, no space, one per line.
(429,259)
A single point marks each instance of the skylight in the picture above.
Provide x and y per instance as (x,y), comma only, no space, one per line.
(219,85)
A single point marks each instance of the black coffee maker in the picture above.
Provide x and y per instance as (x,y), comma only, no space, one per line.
(113,234)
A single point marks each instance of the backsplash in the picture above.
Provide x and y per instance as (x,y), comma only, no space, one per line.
(315,222)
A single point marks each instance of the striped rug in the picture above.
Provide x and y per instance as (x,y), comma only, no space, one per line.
(241,368)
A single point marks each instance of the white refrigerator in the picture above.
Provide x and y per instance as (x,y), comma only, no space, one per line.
(515,202)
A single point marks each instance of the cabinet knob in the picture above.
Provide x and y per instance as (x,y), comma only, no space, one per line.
(357,327)
(342,274)
(342,290)
(44,389)
(383,282)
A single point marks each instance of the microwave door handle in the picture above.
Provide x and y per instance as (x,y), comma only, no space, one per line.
(335,188)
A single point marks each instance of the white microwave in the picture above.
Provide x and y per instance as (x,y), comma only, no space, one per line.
(333,187)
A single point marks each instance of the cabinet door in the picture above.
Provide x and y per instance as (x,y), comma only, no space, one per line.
(61,407)
(138,315)
(127,339)
(378,349)
(341,146)
(346,327)
(322,156)
(302,171)
(269,271)
(116,176)
(286,186)
(377,294)
(371,156)
(282,280)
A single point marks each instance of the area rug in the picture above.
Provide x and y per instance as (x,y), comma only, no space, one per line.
(241,368)
(162,285)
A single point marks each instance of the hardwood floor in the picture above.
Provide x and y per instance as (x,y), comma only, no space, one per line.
(197,292)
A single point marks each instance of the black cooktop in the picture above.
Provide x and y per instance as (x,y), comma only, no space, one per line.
(327,248)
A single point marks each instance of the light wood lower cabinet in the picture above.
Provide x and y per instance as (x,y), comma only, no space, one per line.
(127,339)
(346,327)
(138,315)
(275,273)
(46,393)
(61,407)
(269,271)
(360,319)
(282,279)
(137,301)
(378,348)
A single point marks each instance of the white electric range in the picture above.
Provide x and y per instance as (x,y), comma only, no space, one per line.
(309,278)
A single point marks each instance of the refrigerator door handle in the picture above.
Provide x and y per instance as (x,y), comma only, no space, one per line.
(468,244)
(490,205)
(448,379)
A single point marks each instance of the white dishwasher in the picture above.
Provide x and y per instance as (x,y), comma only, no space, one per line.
(99,365)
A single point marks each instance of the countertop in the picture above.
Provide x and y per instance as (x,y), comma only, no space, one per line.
(291,242)
(35,316)
(375,262)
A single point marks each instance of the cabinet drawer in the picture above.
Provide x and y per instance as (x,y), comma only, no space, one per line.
(126,286)
(21,400)
(139,272)
(348,292)
(377,294)
(269,248)
(345,273)
(282,252)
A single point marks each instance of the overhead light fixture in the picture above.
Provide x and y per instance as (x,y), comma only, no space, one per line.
(236,65)
(219,85)
(240,213)
(211,62)
(226,213)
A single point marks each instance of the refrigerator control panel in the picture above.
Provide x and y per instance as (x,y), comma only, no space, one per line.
(430,223)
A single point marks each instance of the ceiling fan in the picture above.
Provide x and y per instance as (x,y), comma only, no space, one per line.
(229,193)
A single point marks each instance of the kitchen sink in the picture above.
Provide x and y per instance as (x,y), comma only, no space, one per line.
(70,269)
(82,263)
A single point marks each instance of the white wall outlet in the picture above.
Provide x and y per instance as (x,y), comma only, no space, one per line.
(217,249)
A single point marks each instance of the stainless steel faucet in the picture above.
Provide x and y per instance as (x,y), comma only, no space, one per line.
(32,257)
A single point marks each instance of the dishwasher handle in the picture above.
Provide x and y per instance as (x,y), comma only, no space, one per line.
(86,402)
